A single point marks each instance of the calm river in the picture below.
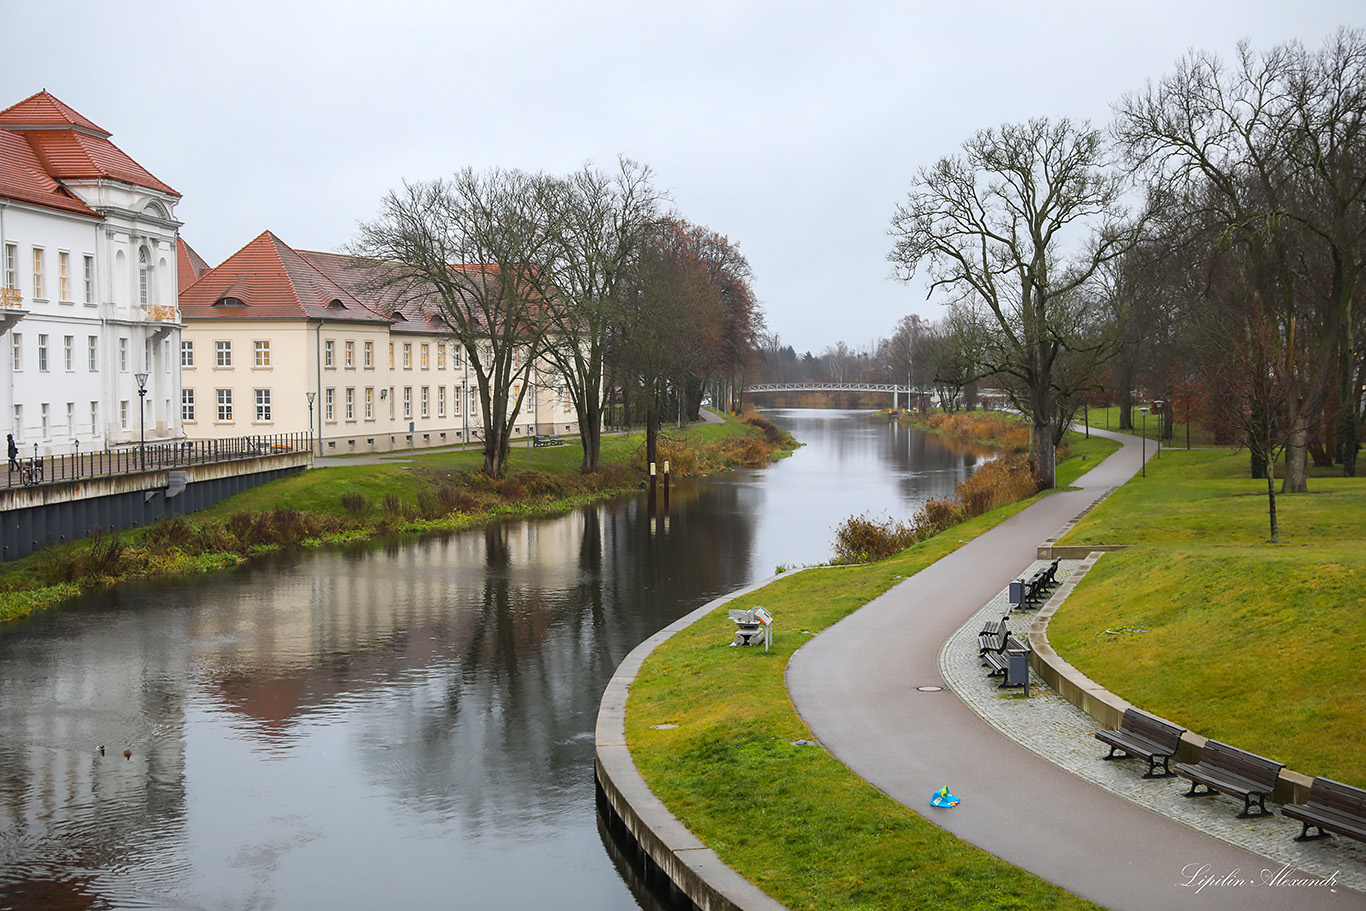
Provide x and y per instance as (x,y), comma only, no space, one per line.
(393,728)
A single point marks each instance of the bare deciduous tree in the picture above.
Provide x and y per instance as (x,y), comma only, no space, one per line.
(1015,226)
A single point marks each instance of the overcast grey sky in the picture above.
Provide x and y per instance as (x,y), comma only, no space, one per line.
(791,127)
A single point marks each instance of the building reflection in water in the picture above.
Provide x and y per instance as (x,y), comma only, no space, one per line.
(384,725)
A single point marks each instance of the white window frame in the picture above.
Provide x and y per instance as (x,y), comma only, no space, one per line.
(222,351)
(187,405)
(261,352)
(262,397)
(223,401)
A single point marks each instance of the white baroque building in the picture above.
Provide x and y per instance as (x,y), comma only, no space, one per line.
(88,289)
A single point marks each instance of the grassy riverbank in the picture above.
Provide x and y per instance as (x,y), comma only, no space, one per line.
(433,490)
(714,739)
(1205,623)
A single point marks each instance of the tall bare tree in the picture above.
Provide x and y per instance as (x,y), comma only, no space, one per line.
(603,222)
(1272,151)
(475,251)
(1014,227)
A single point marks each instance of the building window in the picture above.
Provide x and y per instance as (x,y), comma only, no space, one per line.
(69,353)
(441,401)
(90,279)
(369,355)
(94,417)
(391,355)
(123,355)
(12,267)
(18,339)
(455,357)
(46,420)
(64,275)
(455,400)
(349,354)
(224,404)
(407,355)
(187,404)
(71,420)
(329,404)
(186,353)
(440,356)
(263,404)
(329,353)
(147,355)
(42,354)
(423,404)
(262,353)
(424,356)
(391,403)
(407,403)
(142,276)
(18,423)
(350,403)
(92,353)
(223,353)
(123,414)
(38,274)
(369,402)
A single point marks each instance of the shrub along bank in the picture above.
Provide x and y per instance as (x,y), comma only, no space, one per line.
(431,491)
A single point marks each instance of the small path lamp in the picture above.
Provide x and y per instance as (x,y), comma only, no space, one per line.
(311,396)
(142,419)
(1161,424)
(1144,438)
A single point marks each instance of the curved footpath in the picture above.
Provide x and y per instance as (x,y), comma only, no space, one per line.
(1061,817)
(855,685)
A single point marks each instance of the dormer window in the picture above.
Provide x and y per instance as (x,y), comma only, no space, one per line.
(336,304)
(229,302)
(398,315)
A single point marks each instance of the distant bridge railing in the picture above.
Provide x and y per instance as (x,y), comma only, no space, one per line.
(836,387)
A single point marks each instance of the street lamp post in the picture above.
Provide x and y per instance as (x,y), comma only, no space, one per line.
(1161,424)
(1144,438)
(311,396)
(142,419)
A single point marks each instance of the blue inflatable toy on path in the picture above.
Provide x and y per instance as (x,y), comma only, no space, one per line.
(942,798)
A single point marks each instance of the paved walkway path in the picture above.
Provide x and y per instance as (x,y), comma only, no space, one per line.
(855,685)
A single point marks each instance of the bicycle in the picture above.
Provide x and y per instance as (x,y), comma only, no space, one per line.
(31,473)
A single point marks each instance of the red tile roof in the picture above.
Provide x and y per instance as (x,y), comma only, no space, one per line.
(273,282)
(70,147)
(24,179)
(363,278)
(190,267)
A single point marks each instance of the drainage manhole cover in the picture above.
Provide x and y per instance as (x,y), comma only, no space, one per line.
(930,689)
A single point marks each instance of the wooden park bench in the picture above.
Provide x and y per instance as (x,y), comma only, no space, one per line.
(1235,772)
(992,638)
(1146,737)
(995,647)
(1331,807)
(546,440)
(1031,591)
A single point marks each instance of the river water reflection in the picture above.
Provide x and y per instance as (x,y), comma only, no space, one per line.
(400,727)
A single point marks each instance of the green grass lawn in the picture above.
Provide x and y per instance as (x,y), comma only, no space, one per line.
(1205,623)
(712,731)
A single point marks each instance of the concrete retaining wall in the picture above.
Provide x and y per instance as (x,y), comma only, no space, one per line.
(691,866)
(1105,706)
